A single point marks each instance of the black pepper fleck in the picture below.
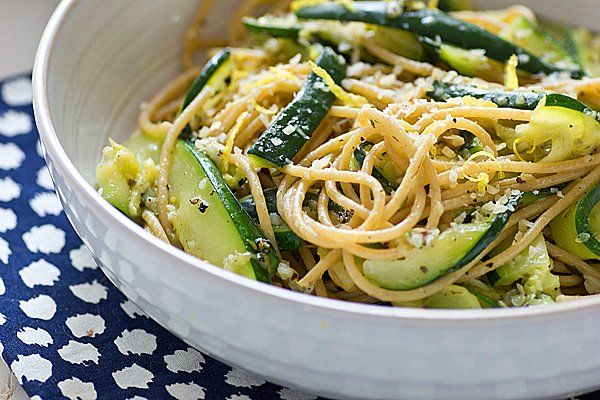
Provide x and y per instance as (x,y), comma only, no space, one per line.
(202,206)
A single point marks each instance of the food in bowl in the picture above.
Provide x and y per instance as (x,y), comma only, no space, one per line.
(409,153)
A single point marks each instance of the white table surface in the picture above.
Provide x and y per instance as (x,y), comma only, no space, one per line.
(21,25)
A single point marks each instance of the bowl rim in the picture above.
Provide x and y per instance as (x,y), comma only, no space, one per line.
(55,152)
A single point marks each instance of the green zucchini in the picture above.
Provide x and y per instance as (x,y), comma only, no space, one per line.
(453,297)
(127,170)
(454,248)
(216,73)
(531,267)
(210,223)
(386,174)
(336,35)
(454,5)
(515,99)
(280,27)
(564,101)
(564,230)
(433,24)
(532,197)
(118,174)
(294,125)
(585,49)
(472,145)
(572,128)
(484,301)
(287,240)
(524,33)
(585,216)
(471,63)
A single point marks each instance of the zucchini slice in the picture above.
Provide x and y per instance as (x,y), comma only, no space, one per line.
(433,24)
(472,63)
(210,222)
(453,297)
(531,267)
(280,27)
(294,125)
(583,220)
(454,5)
(454,248)
(287,240)
(564,101)
(585,49)
(484,300)
(383,173)
(342,37)
(572,129)
(526,34)
(565,235)
(515,99)
(216,73)
(118,174)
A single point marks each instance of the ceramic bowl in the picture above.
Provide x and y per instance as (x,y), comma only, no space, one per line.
(96,63)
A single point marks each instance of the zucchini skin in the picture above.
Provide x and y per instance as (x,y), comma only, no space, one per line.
(431,24)
(484,300)
(305,113)
(579,44)
(200,82)
(249,205)
(454,5)
(490,235)
(582,218)
(516,99)
(360,153)
(265,264)
(452,250)
(287,240)
(254,26)
(564,101)
(207,72)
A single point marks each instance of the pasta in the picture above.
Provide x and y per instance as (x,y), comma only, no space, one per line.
(390,175)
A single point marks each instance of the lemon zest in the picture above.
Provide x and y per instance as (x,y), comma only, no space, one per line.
(231,139)
(348,99)
(523,139)
(511,79)
(275,74)
(482,179)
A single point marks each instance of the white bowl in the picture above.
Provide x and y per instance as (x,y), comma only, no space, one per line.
(96,63)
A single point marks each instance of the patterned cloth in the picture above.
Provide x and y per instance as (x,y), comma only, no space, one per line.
(66,331)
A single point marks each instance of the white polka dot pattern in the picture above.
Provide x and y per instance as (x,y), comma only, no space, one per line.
(66,331)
